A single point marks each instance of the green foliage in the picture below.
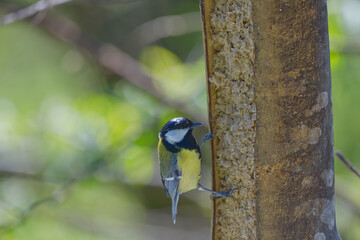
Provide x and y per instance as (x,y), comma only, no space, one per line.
(176,79)
(62,117)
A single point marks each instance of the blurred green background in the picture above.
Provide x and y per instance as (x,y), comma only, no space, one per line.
(85,88)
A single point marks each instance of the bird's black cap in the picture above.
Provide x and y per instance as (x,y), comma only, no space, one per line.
(178,123)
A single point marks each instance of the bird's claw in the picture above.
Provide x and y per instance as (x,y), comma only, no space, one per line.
(223,194)
(206,138)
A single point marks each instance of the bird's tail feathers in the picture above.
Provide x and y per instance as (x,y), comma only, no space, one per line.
(172,187)
(175,200)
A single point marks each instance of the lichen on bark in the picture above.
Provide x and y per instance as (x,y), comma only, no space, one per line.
(233,117)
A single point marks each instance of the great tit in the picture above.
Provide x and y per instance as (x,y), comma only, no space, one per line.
(180,160)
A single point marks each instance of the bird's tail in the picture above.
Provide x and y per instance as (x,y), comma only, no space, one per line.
(175,200)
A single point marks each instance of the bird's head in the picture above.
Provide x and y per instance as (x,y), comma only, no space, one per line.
(175,130)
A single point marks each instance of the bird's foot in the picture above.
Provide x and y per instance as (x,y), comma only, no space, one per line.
(222,194)
(206,138)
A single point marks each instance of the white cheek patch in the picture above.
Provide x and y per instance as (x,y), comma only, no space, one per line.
(176,136)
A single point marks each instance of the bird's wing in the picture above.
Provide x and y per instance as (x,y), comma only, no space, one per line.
(170,175)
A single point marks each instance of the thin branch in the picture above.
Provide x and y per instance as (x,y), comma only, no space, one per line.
(30,10)
(347,163)
(166,26)
(58,195)
(10,174)
(344,44)
(28,176)
(112,59)
(155,227)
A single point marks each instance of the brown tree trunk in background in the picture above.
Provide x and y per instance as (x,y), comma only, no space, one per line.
(270,105)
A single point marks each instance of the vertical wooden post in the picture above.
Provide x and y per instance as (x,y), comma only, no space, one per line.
(270,105)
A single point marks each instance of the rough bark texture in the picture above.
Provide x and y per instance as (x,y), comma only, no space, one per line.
(270,106)
(230,61)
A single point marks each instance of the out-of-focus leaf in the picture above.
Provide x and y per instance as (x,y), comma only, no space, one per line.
(138,164)
(177,80)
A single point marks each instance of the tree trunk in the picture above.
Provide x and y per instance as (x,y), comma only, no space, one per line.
(270,105)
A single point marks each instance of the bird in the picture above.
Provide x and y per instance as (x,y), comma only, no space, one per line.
(180,160)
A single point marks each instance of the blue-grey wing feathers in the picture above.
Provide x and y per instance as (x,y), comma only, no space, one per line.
(170,175)
(171,181)
(172,185)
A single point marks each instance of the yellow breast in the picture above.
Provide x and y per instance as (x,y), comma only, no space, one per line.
(189,164)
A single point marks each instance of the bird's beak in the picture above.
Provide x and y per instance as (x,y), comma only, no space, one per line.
(195,125)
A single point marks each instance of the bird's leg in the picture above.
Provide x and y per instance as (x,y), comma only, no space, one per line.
(207,137)
(216,194)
